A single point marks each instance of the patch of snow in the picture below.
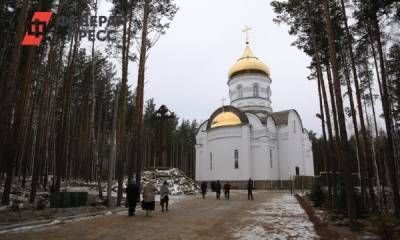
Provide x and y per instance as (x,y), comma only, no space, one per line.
(283,218)
(55,222)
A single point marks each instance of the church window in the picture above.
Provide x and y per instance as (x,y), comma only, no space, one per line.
(236,159)
(211,161)
(270,157)
(239,91)
(255,90)
(297,171)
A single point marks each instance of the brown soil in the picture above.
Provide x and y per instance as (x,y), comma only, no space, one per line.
(323,230)
(189,219)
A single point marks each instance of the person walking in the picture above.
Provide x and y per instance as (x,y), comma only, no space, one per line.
(250,187)
(149,196)
(227,190)
(164,199)
(218,189)
(132,194)
(203,189)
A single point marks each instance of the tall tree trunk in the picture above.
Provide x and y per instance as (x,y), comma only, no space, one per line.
(138,115)
(365,143)
(64,136)
(371,41)
(43,115)
(360,155)
(336,165)
(112,157)
(378,157)
(94,140)
(388,121)
(121,150)
(328,148)
(7,96)
(345,148)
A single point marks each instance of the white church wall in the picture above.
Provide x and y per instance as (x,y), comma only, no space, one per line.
(260,168)
(263,168)
(271,125)
(308,156)
(222,143)
(273,146)
(290,147)
(255,122)
(263,148)
(259,165)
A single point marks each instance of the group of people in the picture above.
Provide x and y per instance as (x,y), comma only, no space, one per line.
(149,195)
(227,188)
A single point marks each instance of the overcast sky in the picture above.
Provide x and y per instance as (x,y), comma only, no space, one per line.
(187,69)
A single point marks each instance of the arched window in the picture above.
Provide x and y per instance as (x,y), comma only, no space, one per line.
(236,159)
(268,92)
(239,91)
(256,90)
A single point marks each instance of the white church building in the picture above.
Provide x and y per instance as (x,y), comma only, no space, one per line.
(247,139)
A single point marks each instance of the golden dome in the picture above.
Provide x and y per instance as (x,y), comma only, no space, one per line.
(225,119)
(248,63)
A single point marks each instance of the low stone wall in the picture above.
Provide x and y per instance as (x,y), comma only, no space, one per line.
(299,182)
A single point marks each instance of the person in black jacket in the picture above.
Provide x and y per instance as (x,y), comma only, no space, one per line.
(227,189)
(132,193)
(218,189)
(250,187)
(203,189)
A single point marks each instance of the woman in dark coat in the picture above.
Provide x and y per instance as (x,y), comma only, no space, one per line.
(218,189)
(203,189)
(132,194)
(227,190)
(250,187)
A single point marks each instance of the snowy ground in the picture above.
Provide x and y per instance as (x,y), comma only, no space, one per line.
(283,218)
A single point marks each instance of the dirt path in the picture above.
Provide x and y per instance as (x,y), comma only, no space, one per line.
(192,218)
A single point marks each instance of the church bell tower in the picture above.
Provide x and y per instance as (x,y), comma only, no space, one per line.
(249,83)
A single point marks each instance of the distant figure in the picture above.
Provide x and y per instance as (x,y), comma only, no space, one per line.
(212,185)
(164,199)
(132,194)
(149,196)
(203,189)
(218,189)
(250,187)
(227,189)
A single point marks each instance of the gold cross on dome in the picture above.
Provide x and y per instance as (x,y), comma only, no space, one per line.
(246,30)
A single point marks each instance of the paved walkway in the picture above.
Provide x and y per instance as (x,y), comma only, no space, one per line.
(269,216)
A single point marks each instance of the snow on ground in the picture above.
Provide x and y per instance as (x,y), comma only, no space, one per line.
(283,218)
(42,227)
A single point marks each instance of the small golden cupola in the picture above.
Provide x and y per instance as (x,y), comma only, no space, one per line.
(248,63)
(225,119)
